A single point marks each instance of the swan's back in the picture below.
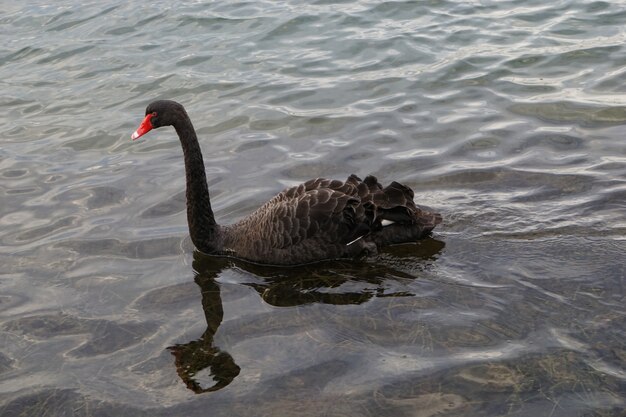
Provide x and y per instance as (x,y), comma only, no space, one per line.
(327,219)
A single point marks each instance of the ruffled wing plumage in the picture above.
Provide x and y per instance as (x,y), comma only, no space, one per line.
(322,219)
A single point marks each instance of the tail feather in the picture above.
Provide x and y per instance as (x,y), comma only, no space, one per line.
(388,214)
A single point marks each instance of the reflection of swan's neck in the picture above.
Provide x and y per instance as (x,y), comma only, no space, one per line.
(201,354)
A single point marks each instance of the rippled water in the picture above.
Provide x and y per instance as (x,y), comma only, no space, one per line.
(508,117)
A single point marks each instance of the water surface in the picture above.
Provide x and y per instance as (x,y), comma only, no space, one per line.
(508,118)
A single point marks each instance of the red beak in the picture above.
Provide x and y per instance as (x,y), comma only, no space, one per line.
(143,128)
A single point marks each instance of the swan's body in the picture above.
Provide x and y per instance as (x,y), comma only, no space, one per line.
(319,219)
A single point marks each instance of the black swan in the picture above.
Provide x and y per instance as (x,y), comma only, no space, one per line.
(317,220)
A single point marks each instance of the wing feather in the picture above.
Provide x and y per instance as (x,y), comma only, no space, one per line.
(327,212)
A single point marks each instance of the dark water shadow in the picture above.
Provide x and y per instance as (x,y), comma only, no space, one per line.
(286,287)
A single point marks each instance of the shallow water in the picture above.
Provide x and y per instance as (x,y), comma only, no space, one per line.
(507,118)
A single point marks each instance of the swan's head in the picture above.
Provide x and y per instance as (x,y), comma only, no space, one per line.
(160,113)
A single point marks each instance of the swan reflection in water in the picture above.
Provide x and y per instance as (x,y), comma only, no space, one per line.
(287,287)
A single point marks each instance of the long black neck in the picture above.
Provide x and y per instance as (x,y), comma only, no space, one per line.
(202,226)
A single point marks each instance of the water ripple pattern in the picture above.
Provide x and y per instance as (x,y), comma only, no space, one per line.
(506,116)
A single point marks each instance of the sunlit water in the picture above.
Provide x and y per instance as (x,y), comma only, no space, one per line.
(507,117)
